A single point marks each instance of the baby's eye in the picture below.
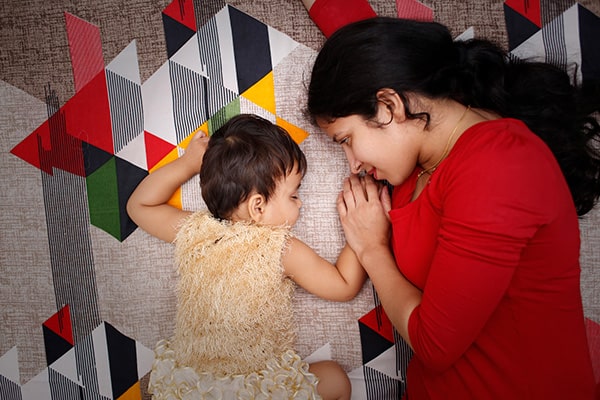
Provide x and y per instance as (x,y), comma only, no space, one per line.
(345,140)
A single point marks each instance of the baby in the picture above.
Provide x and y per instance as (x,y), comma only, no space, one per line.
(234,332)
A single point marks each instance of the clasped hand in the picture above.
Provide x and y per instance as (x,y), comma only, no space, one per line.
(363,207)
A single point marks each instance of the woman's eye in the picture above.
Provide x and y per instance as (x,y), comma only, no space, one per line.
(345,140)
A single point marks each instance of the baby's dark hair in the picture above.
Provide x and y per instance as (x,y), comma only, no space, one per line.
(247,154)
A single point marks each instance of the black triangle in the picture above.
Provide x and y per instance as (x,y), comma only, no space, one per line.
(372,343)
(518,28)
(176,34)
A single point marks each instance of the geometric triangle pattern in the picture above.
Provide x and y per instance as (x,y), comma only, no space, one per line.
(58,335)
(116,129)
(385,355)
(119,363)
(568,39)
(519,27)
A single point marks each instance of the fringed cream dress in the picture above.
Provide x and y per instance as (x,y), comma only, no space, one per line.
(234,332)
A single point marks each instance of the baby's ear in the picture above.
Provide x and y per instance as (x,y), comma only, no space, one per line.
(256,206)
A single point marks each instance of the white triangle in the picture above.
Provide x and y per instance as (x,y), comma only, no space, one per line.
(189,56)
(38,387)
(223,24)
(531,49)
(572,43)
(125,63)
(145,359)
(386,363)
(66,365)
(280,44)
(101,358)
(135,152)
(466,35)
(158,105)
(9,366)
(321,354)
(357,381)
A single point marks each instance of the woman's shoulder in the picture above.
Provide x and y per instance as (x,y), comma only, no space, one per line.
(501,142)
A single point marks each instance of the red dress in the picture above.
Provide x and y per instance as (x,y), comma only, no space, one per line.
(493,242)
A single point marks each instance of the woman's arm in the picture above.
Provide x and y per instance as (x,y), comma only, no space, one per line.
(340,282)
(363,209)
(147,206)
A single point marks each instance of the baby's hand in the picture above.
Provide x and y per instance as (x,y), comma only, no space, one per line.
(195,151)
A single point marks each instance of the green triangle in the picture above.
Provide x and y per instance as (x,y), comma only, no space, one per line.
(103,199)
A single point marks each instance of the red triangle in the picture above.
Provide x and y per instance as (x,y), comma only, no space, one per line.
(85,48)
(28,149)
(60,323)
(379,322)
(156,149)
(88,114)
(182,11)
(528,9)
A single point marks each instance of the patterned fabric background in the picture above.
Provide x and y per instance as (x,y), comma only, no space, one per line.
(94,95)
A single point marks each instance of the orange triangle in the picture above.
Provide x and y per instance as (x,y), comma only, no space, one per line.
(133,393)
(296,133)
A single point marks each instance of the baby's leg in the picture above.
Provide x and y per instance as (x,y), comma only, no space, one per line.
(333,380)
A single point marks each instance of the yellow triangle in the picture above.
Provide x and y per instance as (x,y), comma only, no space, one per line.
(262,93)
(175,200)
(296,133)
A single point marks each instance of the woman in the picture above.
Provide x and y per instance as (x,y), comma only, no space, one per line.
(475,257)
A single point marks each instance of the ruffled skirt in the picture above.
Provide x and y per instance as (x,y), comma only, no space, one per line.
(284,377)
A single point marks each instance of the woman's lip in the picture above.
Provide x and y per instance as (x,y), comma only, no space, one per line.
(373,172)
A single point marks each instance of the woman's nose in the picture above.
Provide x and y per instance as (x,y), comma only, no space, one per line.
(355,165)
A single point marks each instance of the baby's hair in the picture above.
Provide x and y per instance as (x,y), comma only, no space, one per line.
(248,154)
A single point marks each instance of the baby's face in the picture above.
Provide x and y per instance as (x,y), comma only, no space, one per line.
(283,208)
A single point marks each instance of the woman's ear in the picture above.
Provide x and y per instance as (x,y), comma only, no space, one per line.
(391,106)
(256,207)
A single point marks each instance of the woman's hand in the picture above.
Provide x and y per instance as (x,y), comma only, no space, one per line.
(363,207)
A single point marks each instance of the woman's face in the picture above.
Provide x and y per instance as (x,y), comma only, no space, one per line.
(384,151)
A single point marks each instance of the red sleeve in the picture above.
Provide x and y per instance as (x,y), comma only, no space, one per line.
(492,200)
(330,15)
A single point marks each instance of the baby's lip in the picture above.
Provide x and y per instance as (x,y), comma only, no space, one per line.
(373,172)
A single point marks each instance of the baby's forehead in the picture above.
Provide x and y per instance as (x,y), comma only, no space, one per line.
(291,180)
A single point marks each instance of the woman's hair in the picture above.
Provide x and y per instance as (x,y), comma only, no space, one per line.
(247,154)
(421,58)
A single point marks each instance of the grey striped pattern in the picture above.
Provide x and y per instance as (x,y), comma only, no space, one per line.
(126,109)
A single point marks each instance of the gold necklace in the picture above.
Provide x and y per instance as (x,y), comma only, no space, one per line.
(447,149)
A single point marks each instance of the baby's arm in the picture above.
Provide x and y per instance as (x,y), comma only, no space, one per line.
(340,282)
(147,206)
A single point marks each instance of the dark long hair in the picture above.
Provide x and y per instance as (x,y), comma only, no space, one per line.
(248,153)
(422,58)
